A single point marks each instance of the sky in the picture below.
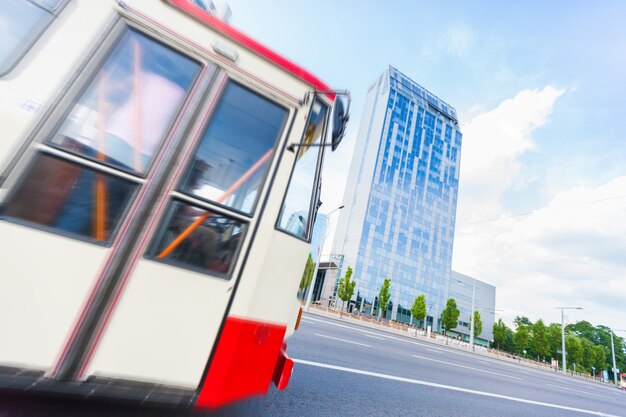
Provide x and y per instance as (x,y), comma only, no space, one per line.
(539,88)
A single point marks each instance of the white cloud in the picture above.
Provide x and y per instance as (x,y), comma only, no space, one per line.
(492,142)
(570,252)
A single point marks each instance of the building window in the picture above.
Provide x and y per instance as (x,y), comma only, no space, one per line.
(21,24)
(298,207)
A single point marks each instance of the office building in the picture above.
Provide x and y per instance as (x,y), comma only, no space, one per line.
(400,199)
(462,287)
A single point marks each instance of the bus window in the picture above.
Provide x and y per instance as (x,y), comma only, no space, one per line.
(124,114)
(241,135)
(228,168)
(296,211)
(120,120)
(21,23)
(212,246)
(64,196)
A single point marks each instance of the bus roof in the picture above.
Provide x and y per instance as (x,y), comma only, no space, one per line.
(246,41)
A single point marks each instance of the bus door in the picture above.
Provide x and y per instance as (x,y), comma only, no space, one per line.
(173,306)
(77,196)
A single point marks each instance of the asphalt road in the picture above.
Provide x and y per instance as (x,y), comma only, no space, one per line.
(347,370)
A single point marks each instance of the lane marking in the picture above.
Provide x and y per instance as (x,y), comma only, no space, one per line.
(450,387)
(500,362)
(493,361)
(536,372)
(433,350)
(342,340)
(374,337)
(577,390)
(466,367)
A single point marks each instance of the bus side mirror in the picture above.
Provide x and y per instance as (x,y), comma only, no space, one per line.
(340,119)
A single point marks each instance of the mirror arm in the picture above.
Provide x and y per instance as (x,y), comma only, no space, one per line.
(292,146)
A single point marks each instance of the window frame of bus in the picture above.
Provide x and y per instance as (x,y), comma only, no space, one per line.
(118,37)
(180,196)
(16,57)
(70,96)
(90,167)
(315,191)
(168,215)
(262,183)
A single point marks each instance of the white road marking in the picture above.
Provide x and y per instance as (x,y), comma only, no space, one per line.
(342,340)
(494,361)
(577,390)
(450,387)
(374,337)
(433,350)
(466,367)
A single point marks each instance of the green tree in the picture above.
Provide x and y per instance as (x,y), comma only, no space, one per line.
(585,330)
(418,309)
(553,336)
(383,298)
(499,334)
(587,356)
(574,349)
(521,321)
(508,341)
(450,316)
(604,334)
(600,335)
(521,339)
(345,288)
(478,323)
(598,353)
(307,275)
(539,342)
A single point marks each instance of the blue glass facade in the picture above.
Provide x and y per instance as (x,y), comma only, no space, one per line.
(401,196)
(318,236)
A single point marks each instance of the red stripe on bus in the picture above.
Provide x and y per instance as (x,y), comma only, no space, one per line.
(246,41)
(244,362)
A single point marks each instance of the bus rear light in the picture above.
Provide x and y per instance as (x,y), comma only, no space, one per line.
(284,368)
(244,362)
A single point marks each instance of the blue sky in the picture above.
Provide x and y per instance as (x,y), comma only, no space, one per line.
(540,90)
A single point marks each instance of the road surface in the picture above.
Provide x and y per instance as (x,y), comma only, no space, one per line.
(348,370)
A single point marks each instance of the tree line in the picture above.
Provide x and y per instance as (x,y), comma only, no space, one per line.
(449,317)
(588,347)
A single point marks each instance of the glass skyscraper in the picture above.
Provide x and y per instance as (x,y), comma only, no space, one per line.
(401,197)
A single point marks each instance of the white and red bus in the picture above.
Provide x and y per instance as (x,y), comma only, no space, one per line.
(159,178)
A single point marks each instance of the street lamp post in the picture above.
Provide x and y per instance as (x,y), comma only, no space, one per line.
(563,333)
(613,354)
(471,341)
(317,264)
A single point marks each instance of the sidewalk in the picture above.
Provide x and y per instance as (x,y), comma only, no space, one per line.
(435,339)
